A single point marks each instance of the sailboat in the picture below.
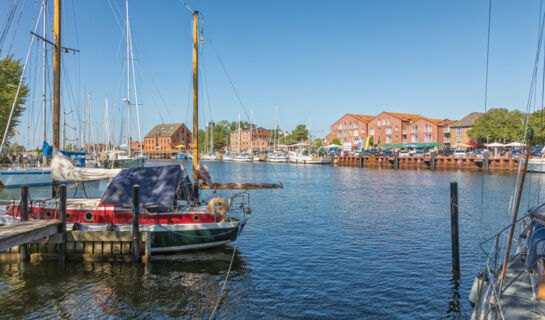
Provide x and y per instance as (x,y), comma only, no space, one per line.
(119,158)
(210,154)
(171,205)
(39,175)
(277,156)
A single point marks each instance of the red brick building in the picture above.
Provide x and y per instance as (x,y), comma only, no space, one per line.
(164,138)
(350,128)
(260,139)
(393,128)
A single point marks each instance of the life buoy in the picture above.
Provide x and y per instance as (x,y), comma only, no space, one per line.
(222,209)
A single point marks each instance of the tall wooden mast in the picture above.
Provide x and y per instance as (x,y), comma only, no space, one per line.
(195,145)
(57,74)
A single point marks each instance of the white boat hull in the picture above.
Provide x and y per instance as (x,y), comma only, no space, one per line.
(536,165)
(28,177)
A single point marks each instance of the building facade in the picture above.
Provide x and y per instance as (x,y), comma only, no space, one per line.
(394,128)
(458,130)
(350,128)
(260,139)
(164,139)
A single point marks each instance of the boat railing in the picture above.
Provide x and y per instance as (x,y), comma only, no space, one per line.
(10,166)
(495,254)
(239,202)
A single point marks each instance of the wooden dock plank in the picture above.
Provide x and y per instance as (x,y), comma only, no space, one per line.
(27,231)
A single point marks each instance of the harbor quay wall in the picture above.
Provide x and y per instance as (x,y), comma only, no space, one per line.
(427,162)
(88,246)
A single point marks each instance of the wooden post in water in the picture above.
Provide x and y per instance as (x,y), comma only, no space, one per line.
(361,161)
(136,223)
(62,213)
(396,161)
(432,161)
(455,244)
(24,217)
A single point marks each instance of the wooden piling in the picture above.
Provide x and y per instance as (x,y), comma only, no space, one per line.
(62,213)
(432,161)
(396,161)
(136,223)
(454,226)
(361,161)
(23,256)
(485,161)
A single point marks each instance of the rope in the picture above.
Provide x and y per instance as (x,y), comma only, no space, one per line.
(20,82)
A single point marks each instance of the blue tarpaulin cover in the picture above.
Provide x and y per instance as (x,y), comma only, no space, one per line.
(158,186)
(47,151)
(536,246)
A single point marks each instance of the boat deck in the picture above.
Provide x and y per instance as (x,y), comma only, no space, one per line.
(517,298)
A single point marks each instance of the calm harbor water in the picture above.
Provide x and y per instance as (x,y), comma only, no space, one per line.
(336,242)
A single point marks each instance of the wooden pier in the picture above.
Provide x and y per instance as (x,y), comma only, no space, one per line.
(27,231)
(428,162)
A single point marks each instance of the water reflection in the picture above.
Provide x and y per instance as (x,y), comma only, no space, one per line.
(454,310)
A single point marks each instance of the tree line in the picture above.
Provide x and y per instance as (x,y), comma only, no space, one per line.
(502,125)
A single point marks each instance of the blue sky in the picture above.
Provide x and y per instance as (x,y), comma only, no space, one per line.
(315,60)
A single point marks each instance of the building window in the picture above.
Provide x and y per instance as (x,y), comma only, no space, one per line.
(388,121)
(355,124)
(447,127)
(396,138)
(414,129)
(396,128)
(458,142)
(340,126)
(362,131)
(378,129)
(414,138)
(372,132)
(378,122)
(427,138)
(388,130)
(388,139)
(355,132)
(459,132)
(427,128)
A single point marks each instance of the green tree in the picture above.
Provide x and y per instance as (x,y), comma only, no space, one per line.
(10,73)
(300,133)
(336,141)
(500,125)
(319,143)
(537,122)
(16,148)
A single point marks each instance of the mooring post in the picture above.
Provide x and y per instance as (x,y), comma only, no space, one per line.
(361,161)
(62,213)
(432,164)
(454,226)
(136,223)
(485,161)
(24,217)
(396,161)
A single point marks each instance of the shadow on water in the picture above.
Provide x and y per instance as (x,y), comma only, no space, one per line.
(454,310)
(174,286)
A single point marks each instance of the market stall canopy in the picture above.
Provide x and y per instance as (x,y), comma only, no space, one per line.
(387,145)
(515,144)
(495,145)
(180,146)
(396,146)
(333,146)
(472,144)
(436,144)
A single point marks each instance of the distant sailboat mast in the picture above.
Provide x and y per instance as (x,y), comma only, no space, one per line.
(127,100)
(44,74)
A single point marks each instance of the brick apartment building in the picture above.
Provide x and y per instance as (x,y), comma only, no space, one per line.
(350,128)
(164,138)
(391,128)
(260,139)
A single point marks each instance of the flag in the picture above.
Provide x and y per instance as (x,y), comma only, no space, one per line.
(287,133)
(280,133)
(15,131)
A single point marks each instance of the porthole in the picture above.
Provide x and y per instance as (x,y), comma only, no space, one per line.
(196,218)
(48,214)
(89,216)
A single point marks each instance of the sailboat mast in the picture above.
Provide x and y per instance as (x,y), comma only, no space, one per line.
(44,70)
(239,133)
(57,74)
(195,145)
(128,81)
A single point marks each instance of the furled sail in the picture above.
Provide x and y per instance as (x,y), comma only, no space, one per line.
(63,170)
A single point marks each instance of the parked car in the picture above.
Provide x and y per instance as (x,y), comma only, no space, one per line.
(366,153)
(419,153)
(459,153)
(404,153)
(479,153)
(387,153)
(516,153)
(537,151)
(446,152)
